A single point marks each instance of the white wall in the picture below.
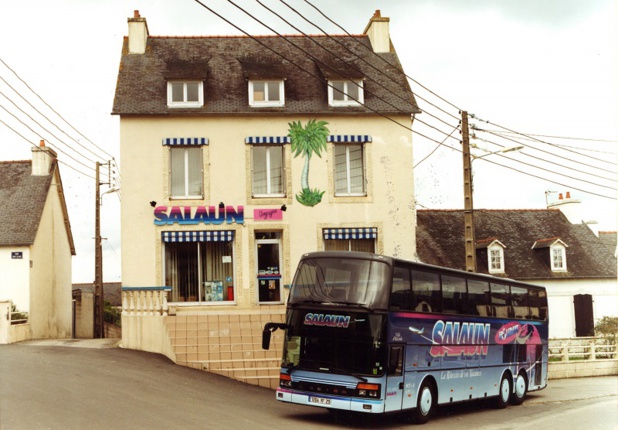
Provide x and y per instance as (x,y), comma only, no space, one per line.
(14,281)
(561,309)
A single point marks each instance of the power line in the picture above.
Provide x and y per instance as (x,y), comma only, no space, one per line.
(53,110)
(33,144)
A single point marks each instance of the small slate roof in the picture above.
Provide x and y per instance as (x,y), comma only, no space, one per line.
(22,199)
(440,241)
(225,64)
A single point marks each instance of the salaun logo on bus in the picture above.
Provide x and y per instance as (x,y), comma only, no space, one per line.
(327,320)
(454,338)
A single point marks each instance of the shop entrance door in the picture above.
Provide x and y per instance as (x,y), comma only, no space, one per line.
(268,251)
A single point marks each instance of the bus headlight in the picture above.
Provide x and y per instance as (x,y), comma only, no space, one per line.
(368,390)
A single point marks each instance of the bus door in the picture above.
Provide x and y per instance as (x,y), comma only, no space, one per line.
(394,378)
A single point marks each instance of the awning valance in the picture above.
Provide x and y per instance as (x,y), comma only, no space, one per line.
(272,140)
(349,138)
(198,236)
(195,141)
(350,233)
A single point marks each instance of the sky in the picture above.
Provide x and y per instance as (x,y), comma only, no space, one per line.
(537,74)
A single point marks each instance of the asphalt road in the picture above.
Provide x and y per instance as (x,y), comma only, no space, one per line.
(44,386)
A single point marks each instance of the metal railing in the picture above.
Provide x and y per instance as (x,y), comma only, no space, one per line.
(581,348)
(19,318)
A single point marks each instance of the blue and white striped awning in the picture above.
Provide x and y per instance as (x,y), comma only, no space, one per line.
(198,236)
(255,140)
(173,141)
(349,138)
(350,233)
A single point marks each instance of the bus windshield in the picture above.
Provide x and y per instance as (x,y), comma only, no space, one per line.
(339,342)
(347,281)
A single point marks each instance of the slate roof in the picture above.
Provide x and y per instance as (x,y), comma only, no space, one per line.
(22,199)
(610,239)
(440,241)
(226,63)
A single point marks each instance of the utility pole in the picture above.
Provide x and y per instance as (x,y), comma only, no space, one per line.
(468,205)
(99,308)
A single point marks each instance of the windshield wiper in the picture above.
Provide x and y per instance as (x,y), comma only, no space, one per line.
(344,372)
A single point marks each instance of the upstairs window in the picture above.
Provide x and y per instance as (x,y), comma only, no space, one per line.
(268,171)
(495,254)
(345,93)
(266,93)
(558,258)
(349,170)
(186,172)
(185,94)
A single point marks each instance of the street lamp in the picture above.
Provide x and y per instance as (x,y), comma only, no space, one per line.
(468,204)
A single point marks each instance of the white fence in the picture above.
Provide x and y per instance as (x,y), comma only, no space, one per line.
(581,348)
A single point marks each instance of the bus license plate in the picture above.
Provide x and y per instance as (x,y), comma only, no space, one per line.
(319,400)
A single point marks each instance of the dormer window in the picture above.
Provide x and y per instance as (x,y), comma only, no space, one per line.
(266,93)
(185,94)
(558,258)
(496,259)
(345,93)
(557,252)
(495,254)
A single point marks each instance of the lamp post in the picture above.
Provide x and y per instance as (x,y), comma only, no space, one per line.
(468,190)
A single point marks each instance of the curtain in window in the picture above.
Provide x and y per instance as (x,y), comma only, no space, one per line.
(349,170)
(267,170)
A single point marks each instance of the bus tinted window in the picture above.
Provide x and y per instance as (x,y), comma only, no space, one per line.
(479,298)
(519,298)
(537,299)
(501,301)
(401,295)
(426,289)
(453,295)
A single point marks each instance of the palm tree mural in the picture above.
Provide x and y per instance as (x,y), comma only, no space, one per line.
(307,141)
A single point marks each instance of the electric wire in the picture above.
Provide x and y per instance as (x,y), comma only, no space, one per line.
(41,137)
(373,110)
(33,144)
(53,110)
(301,68)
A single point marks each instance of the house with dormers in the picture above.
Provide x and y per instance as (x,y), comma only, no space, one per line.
(218,204)
(539,246)
(36,249)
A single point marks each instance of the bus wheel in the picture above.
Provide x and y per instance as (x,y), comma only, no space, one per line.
(521,389)
(425,404)
(504,391)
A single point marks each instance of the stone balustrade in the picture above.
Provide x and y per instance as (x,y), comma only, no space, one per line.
(145,300)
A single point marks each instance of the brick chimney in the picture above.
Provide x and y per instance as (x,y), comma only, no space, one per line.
(570,207)
(42,159)
(379,33)
(138,34)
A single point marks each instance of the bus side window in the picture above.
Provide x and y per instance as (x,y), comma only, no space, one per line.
(453,295)
(519,298)
(479,298)
(401,294)
(395,361)
(426,289)
(501,301)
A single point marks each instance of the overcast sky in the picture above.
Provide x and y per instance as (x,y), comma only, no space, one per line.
(542,68)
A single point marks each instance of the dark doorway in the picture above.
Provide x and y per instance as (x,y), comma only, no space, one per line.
(584,318)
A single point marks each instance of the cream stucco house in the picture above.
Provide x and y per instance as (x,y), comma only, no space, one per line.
(218,206)
(36,247)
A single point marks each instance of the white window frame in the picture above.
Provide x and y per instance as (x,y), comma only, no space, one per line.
(347,167)
(500,254)
(269,192)
(186,195)
(266,102)
(558,252)
(347,100)
(184,104)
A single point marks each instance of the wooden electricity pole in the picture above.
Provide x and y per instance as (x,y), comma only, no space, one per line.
(99,307)
(468,204)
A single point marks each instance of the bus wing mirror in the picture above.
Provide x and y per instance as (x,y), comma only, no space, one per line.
(268,329)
